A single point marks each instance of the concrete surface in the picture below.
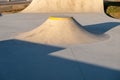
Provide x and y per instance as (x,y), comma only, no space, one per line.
(64,6)
(60,31)
(25,60)
(22,60)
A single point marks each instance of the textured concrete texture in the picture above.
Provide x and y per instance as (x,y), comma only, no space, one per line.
(28,60)
(64,6)
(23,60)
(60,31)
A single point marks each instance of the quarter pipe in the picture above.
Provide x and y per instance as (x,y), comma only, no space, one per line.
(64,6)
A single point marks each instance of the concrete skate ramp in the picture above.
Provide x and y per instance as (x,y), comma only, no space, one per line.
(59,31)
(64,6)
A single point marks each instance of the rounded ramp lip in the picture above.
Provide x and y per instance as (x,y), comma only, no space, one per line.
(59,18)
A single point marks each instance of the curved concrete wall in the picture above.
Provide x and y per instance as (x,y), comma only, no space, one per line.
(64,6)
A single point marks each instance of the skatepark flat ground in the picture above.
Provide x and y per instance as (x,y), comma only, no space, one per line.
(27,21)
(33,61)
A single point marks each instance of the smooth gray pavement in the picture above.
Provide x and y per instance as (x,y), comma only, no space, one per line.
(20,60)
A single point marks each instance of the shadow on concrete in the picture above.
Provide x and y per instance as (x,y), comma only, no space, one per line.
(101,28)
(98,29)
(94,72)
(20,60)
